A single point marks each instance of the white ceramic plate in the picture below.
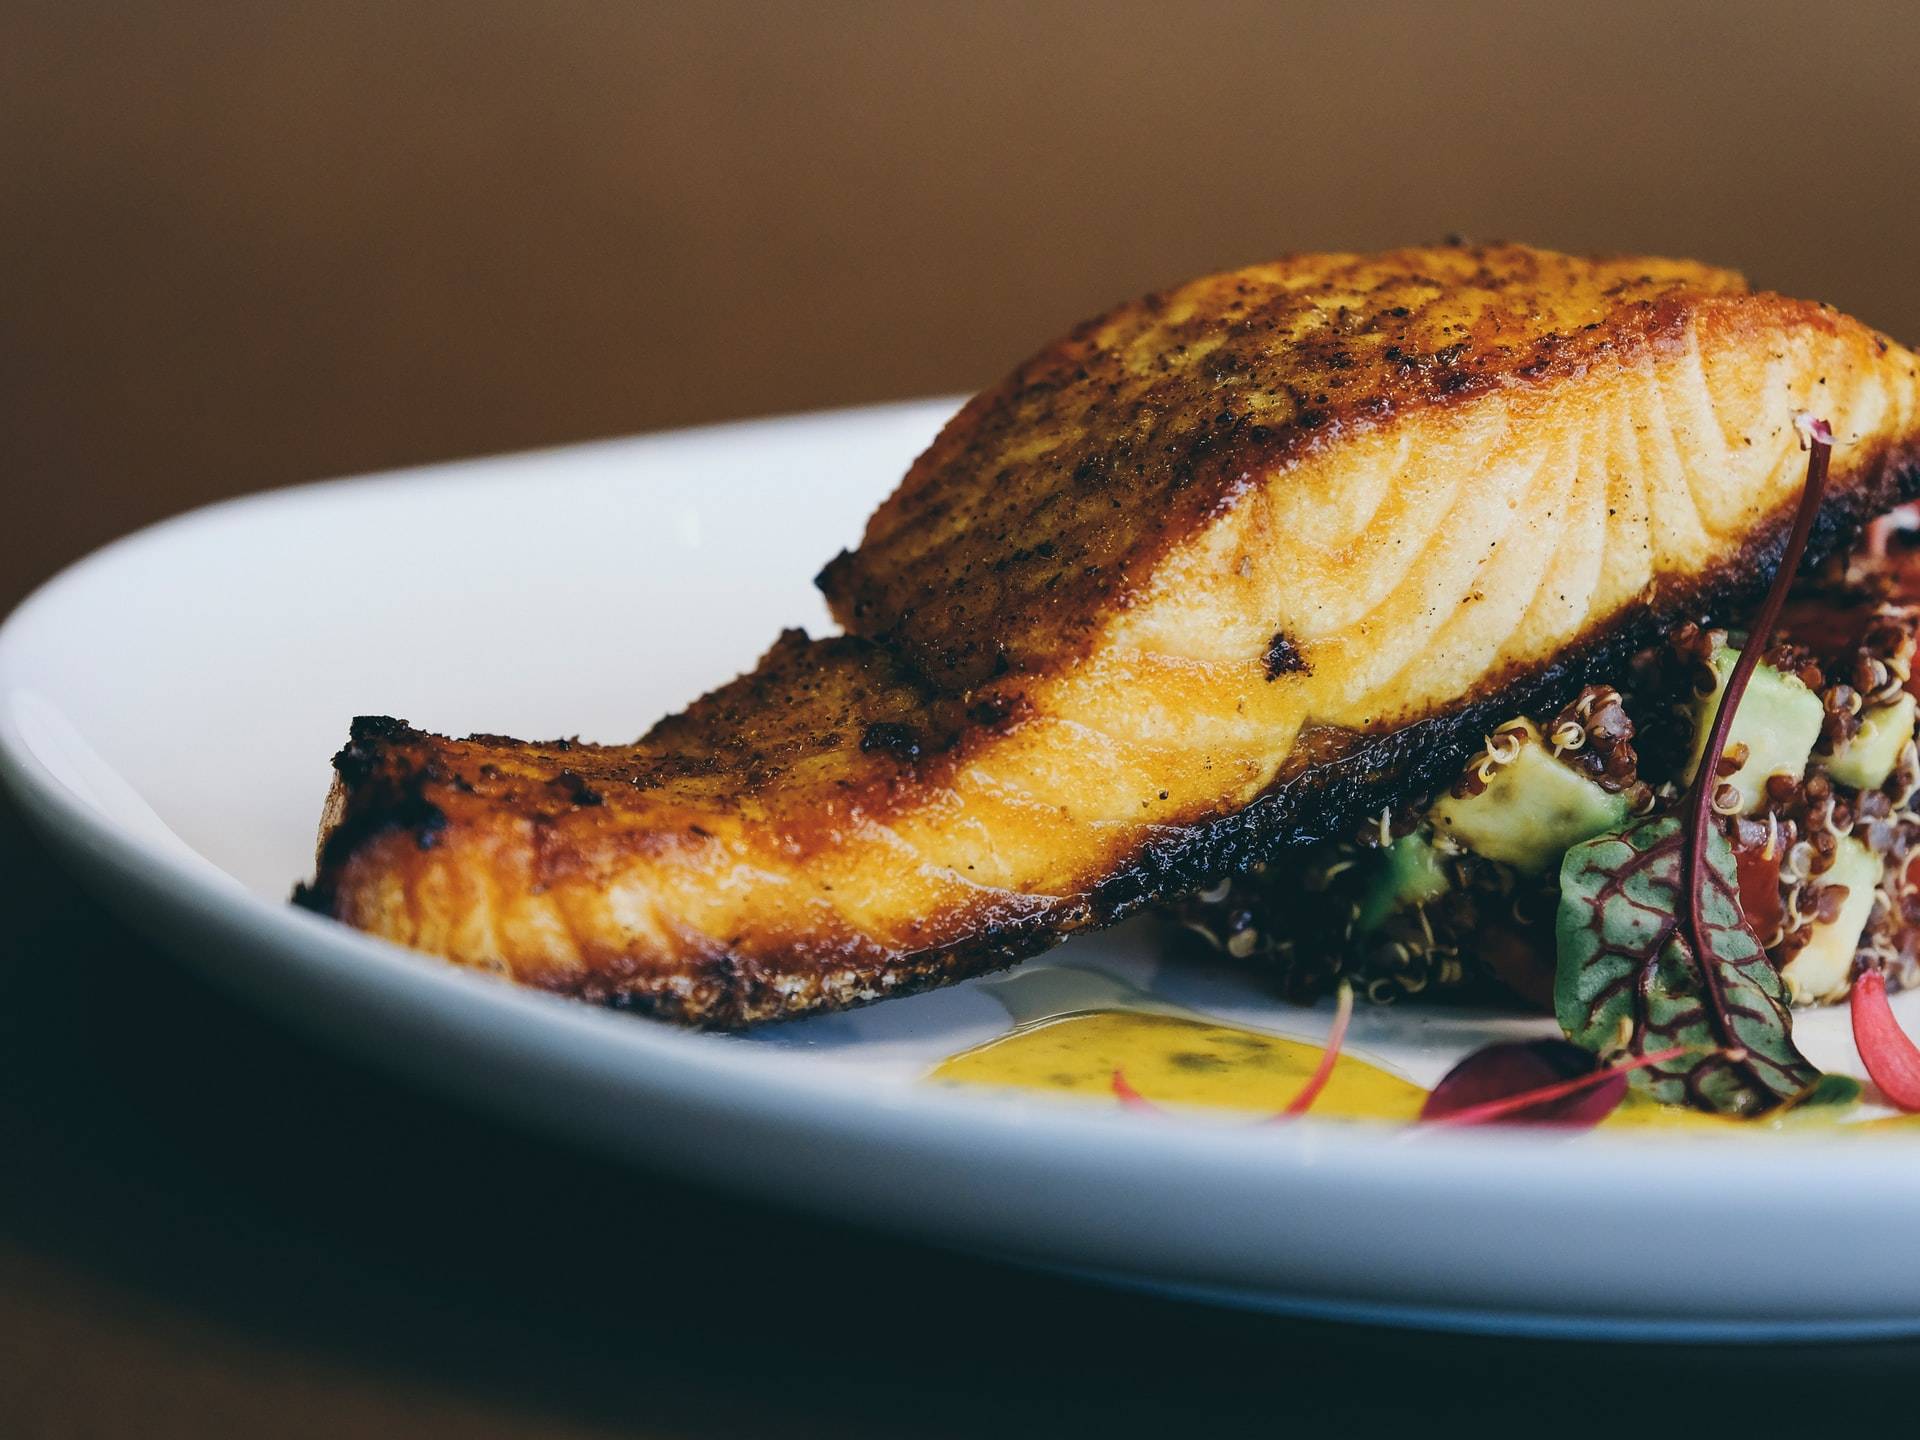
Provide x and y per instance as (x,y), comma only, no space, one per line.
(168,707)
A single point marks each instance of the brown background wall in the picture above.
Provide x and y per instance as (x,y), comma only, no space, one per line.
(246,242)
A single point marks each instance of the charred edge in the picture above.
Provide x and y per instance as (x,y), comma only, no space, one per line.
(993,712)
(403,808)
(573,788)
(378,727)
(746,992)
(368,737)
(1284,658)
(886,737)
(376,803)
(836,575)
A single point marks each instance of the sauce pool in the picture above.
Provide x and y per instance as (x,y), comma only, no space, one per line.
(1176,1060)
(1172,1060)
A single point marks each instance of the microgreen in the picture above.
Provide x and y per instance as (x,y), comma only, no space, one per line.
(1329,1057)
(1654,947)
(1130,1098)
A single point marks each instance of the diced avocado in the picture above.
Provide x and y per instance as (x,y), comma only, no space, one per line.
(1824,967)
(1778,721)
(1866,761)
(1407,873)
(1533,809)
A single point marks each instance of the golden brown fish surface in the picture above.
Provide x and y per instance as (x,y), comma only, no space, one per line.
(1222,570)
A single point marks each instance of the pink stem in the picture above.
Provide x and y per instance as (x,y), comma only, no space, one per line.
(1700,813)
(1130,1097)
(1890,1056)
(1329,1057)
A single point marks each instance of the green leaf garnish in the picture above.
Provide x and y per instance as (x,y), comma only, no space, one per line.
(1831,1092)
(1633,975)
(1654,950)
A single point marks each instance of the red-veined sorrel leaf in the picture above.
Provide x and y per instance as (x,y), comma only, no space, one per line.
(1655,951)
(1631,978)
(1891,1057)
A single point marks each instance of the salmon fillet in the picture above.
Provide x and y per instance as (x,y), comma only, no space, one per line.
(1219,572)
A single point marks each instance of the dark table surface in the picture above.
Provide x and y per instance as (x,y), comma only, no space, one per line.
(210,1227)
(245,244)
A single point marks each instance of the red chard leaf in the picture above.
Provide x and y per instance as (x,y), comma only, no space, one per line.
(1631,978)
(1655,951)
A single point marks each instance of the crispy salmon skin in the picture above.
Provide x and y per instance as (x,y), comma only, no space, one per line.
(1221,571)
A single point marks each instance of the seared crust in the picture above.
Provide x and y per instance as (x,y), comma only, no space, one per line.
(1223,570)
(1051,498)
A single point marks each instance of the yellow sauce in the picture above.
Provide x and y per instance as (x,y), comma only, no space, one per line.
(1886,1123)
(1637,1112)
(1172,1060)
(1175,1060)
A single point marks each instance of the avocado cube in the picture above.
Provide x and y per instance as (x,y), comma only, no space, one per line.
(1533,809)
(1778,722)
(1407,873)
(1823,970)
(1866,761)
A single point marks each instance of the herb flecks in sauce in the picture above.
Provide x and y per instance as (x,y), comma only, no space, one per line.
(1255,1071)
